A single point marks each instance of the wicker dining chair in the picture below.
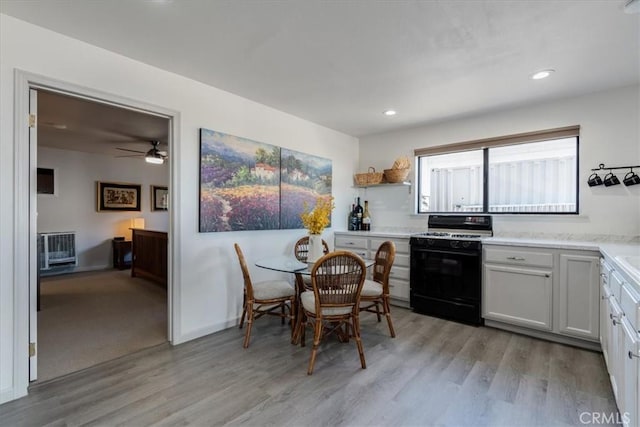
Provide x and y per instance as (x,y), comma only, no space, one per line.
(272,297)
(301,248)
(337,279)
(375,292)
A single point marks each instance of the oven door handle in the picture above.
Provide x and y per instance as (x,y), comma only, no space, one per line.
(439,251)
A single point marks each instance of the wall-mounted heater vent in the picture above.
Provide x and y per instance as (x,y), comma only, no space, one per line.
(57,251)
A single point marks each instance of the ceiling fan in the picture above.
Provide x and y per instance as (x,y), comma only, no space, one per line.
(154,155)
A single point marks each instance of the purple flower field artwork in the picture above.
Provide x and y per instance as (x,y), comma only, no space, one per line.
(250,185)
(303,178)
(239,183)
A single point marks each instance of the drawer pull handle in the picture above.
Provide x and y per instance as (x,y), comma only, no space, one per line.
(632,355)
(612,317)
(605,297)
(515,258)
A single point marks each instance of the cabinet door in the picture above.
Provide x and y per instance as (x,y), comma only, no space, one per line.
(628,381)
(614,335)
(518,295)
(579,296)
(605,294)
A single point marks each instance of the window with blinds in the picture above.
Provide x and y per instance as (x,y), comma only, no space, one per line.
(533,173)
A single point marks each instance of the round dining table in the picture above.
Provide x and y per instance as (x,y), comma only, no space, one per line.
(290,264)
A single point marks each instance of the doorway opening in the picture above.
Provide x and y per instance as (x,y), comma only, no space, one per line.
(91,309)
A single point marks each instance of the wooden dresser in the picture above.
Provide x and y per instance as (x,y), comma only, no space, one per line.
(149,255)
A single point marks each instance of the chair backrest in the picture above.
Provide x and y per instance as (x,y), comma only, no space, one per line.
(248,287)
(385,256)
(301,248)
(337,280)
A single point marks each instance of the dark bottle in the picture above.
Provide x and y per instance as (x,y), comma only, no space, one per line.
(366,217)
(358,210)
(351,221)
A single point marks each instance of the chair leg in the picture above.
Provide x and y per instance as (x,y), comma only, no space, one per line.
(317,332)
(378,311)
(250,318)
(356,333)
(292,320)
(302,328)
(244,313)
(387,313)
(282,313)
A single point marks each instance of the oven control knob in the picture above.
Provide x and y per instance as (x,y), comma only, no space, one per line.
(466,244)
(430,242)
(454,243)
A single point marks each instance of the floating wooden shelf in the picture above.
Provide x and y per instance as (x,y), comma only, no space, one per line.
(386,184)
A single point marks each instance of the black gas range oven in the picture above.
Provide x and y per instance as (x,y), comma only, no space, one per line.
(446,267)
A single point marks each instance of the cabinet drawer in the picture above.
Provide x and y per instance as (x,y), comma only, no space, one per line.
(351,242)
(402,245)
(399,289)
(401,260)
(360,252)
(615,284)
(517,257)
(605,271)
(400,273)
(630,302)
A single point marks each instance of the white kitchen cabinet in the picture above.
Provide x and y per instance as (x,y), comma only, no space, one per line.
(518,295)
(366,246)
(358,245)
(628,379)
(620,337)
(614,347)
(546,292)
(579,296)
(605,338)
(605,294)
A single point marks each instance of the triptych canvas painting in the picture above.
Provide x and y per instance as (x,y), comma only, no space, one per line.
(250,185)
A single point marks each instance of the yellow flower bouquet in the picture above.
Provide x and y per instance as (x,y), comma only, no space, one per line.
(319,218)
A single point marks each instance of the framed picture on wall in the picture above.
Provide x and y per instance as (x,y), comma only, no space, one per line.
(159,198)
(118,196)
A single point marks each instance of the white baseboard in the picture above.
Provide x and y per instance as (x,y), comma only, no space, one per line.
(201,332)
(8,394)
(71,270)
(92,268)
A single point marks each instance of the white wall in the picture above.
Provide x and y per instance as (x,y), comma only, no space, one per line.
(206,276)
(610,123)
(73,208)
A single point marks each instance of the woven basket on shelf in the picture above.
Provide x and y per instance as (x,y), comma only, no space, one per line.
(396,175)
(371,177)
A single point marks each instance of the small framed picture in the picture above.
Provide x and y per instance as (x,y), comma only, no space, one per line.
(118,196)
(159,198)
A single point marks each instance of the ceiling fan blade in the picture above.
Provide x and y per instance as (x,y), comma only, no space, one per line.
(163,153)
(131,155)
(133,151)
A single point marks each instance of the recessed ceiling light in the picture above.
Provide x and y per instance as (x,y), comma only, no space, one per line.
(389,112)
(542,74)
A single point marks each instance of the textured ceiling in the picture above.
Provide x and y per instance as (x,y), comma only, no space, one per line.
(341,63)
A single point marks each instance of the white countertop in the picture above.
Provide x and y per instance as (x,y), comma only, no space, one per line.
(625,256)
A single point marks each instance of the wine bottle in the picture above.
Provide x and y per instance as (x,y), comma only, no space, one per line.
(351,221)
(366,217)
(358,211)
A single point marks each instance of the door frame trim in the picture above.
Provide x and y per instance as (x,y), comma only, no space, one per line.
(23,268)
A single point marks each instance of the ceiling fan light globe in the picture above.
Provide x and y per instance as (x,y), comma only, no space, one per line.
(156,160)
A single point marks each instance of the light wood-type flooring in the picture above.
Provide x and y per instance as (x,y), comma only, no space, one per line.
(434,373)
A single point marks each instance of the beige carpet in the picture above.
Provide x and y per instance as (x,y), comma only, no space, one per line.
(89,318)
